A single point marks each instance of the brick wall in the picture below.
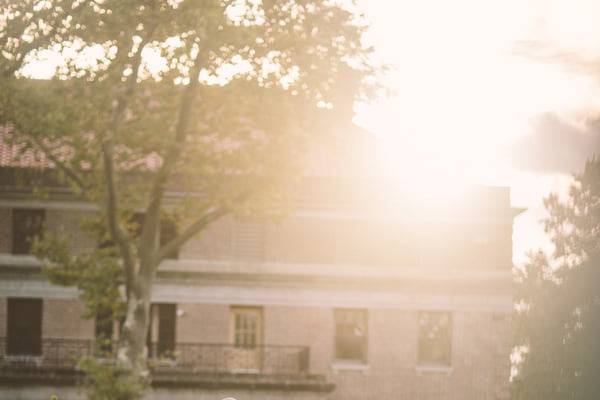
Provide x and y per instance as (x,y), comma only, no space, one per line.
(481,340)
(480,350)
(322,241)
(480,354)
(479,370)
(62,319)
(307,326)
(480,347)
(214,243)
(202,323)
(301,240)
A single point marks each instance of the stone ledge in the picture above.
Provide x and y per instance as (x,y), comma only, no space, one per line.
(316,383)
(71,377)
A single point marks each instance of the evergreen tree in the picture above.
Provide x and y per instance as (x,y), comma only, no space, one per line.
(558,304)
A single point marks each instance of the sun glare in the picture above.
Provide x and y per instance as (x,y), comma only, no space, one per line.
(470,78)
(464,93)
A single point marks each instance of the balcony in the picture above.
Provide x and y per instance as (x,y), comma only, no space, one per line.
(187,364)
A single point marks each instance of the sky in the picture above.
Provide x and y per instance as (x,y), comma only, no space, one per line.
(503,93)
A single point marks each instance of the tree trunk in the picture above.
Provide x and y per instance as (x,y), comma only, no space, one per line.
(133,354)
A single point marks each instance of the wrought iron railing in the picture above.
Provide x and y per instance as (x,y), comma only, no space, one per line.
(228,358)
(49,353)
(179,357)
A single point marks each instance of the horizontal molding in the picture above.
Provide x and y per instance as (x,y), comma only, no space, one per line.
(37,288)
(298,285)
(377,216)
(433,273)
(473,275)
(49,204)
(257,295)
(282,295)
(22,261)
(301,212)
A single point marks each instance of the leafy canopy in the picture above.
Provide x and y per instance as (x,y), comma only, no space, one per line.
(260,70)
(182,93)
(558,317)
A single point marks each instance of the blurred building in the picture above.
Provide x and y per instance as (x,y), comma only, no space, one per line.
(360,293)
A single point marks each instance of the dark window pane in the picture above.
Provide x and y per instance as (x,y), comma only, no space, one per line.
(27,224)
(435,338)
(24,322)
(165,344)
(168,232)
(351,335)
(104,330)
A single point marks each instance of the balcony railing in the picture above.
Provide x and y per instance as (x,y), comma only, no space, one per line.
(178,357)
(228,358)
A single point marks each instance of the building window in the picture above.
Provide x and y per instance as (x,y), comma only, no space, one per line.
(351,335)
(168,232)
(246,330)
(161,333)
(24,327)
(435,338)
(27,224)
(104,329)
(246,326)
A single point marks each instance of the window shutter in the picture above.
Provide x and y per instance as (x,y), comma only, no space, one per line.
(249,241)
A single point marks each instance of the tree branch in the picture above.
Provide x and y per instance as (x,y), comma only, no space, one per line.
(41,40)
(116,231)
(152,220)
(71,173)
(209,217)
(118,234)
(191,231)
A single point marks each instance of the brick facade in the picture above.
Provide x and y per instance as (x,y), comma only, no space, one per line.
(202,323)
(64,319)
(297,273)
(480,348)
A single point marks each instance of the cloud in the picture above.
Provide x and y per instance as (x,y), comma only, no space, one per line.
(549,53)
(572,60)
(556,144)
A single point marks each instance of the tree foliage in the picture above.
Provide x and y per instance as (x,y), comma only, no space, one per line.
(558,318)
(219,101)
(109,381)
(97,274)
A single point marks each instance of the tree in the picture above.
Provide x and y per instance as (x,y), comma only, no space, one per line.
(558,317)
(219,99)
